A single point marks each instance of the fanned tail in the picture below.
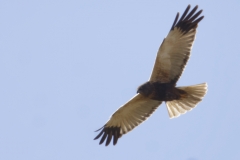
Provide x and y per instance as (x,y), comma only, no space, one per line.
(188,101)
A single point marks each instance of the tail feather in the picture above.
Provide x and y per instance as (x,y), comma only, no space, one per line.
(188,101)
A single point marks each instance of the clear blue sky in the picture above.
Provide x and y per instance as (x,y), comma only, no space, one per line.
(66,66)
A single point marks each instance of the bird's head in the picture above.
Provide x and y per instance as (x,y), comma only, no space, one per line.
(145,89)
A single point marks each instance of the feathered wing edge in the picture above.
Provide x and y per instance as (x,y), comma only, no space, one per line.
(175,49)
(126,118)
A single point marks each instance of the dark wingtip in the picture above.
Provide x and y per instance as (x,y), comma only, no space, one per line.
(196,7)
(184,13)
(189,20)
(175,21)
(190,14)
(109,137)
(98,135)
(103,138)
(99,129)
(109,133)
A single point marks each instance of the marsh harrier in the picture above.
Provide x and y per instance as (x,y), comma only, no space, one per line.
(170,62)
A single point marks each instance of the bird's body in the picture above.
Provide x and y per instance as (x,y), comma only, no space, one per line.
(161,91)
(170,62)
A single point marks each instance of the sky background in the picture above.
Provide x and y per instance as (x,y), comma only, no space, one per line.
(66,66)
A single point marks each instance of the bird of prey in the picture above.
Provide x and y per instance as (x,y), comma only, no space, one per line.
(170,62)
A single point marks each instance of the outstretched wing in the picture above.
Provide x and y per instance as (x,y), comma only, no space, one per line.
(175,49)
(127,117)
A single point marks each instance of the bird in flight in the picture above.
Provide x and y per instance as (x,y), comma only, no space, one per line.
(170,62)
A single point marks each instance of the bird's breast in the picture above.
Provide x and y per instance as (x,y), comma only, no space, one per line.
(164,92)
